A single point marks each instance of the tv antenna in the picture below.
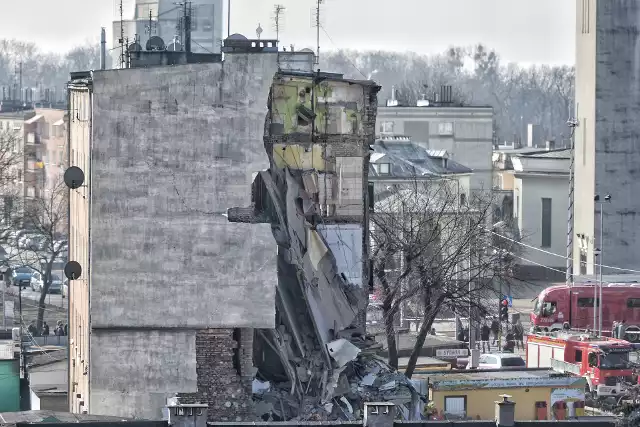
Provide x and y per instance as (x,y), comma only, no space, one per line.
(151,26)
(318,24)
(121,39)
(278,10)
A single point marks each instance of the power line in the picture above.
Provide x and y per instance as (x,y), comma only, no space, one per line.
(558,255)
(347,58)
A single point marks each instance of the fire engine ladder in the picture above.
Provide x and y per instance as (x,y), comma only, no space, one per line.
(565,367)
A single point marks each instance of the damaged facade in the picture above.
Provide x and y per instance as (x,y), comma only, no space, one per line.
(170,291)
(317,363)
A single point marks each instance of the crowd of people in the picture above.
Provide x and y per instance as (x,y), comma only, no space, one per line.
(60,330)
(488,336)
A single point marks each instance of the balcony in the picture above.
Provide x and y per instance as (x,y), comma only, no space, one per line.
(33,138)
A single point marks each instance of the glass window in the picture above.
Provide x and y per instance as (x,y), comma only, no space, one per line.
(633,303)
(445,128)
(385,168)
(549,308)
(586,302)
(513,361)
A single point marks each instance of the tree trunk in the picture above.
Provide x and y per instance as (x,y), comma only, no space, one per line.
(46,282)
(390,331)
(427,322)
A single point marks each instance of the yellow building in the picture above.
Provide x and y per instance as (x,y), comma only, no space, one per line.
(537,394)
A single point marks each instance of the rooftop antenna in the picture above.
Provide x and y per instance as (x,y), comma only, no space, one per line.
(317,25)
(121,39)
(278,10)
(228,18)
(150,27)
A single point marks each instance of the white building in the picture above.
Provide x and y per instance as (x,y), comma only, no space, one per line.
(541,194)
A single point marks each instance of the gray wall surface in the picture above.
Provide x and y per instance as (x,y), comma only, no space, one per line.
(134,372)
(608,136)
(173,148)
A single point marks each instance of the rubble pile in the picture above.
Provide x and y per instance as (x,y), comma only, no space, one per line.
(358,376)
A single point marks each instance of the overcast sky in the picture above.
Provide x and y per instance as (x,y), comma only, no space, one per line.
(526,31)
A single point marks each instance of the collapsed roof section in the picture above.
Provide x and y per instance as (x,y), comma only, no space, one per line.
(317,135)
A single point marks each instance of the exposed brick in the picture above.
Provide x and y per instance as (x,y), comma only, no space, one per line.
(224,367)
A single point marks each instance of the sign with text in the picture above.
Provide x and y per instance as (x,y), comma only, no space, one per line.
(450,353)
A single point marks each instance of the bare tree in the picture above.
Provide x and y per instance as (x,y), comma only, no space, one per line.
(46,220)
(433,249)
(11,167)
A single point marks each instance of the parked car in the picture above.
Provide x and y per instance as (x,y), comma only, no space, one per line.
(501,361)
(24,241)
(21,276)
(37,283)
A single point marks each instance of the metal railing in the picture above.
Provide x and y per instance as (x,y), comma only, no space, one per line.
(565,367)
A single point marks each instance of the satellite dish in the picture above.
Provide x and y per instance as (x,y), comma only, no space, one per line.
(237,36)
(135,47)
(155,43)
(174,47)
(74,177)
(72,270)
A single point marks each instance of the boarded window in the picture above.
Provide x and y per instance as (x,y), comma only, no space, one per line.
(546,223)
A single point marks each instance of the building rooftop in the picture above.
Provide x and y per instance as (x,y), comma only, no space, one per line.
(408,160)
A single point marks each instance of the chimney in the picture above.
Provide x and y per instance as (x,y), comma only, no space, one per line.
(393,102)
(379,414)
(194,415)
(551,145)
(103,48)
(505,412)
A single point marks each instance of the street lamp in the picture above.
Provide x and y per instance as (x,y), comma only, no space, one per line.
(596,199)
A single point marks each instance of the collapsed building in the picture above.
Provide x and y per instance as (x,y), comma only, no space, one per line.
(318,363)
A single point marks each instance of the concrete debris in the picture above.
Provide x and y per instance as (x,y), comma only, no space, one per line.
(259,387)
(367,378)
(342,351)
(318,131)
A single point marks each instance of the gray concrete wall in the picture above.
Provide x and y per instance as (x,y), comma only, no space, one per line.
(173,148)
(607,157)
(134,372)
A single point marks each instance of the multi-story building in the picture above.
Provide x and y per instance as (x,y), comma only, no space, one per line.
(465,132)
(163,18)
(170,291)
(607,135)
(540,194)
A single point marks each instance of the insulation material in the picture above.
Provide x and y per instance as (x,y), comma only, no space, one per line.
(299,157)
(345,242)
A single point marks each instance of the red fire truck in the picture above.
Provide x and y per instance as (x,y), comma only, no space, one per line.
(603,362)
(620,301)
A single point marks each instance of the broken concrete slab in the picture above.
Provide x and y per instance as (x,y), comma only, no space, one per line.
(342,351)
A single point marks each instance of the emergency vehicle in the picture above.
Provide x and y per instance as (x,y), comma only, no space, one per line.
(603,362)
(621,301)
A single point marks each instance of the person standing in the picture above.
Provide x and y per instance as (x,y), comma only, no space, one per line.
(485,335)
(45,332)
(495,329)
(518,332)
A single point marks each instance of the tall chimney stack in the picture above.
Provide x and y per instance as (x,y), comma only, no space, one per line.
(103,48)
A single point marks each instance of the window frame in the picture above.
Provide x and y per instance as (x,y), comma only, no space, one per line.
(381,171)
(592,302)
(445,128)
(630,302)
(465,403)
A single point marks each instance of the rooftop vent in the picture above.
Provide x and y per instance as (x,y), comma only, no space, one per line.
(393,102)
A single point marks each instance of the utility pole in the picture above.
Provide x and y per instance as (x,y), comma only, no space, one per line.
(121,40)
(228,18)
(573,124)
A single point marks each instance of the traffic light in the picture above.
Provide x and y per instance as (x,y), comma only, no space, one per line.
(504,310)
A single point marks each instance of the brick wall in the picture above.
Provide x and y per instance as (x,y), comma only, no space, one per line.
(224,365)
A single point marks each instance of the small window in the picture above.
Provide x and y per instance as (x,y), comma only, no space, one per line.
(445,128)
(549,308)
(586,302)
(578,356)
(386,127)
(463,199)
(633,303)
(385,168)
(455,406)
